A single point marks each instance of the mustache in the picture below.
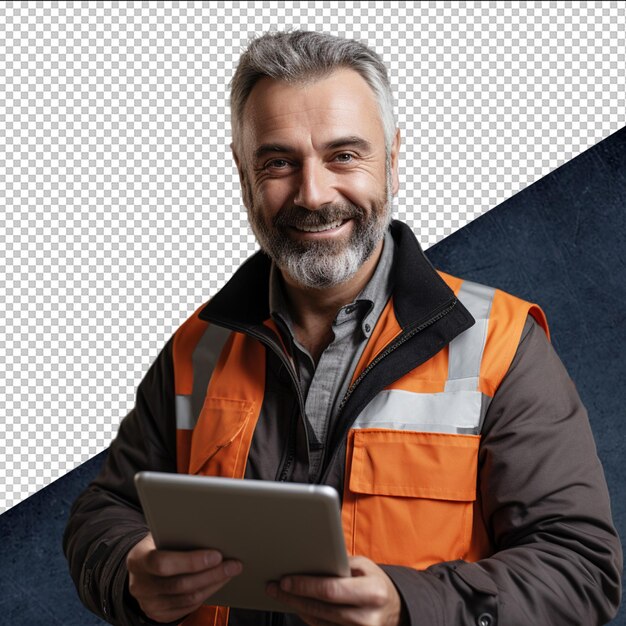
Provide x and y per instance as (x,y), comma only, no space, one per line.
(298,216)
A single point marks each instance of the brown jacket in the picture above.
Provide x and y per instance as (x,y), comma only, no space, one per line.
(542,490)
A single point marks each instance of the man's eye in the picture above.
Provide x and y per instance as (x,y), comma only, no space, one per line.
(277,164)
(344,157)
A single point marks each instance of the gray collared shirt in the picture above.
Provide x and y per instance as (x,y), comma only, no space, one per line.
(324,386)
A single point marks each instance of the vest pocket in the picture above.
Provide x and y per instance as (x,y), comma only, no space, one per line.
(216,447)
(409,496)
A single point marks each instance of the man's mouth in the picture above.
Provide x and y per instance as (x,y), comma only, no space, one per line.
(319,228)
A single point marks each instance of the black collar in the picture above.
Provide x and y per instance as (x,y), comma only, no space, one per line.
(419,290)
(244,299)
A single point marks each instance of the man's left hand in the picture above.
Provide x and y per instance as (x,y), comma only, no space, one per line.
(368,597)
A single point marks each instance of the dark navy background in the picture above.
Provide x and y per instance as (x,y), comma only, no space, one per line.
(560,243)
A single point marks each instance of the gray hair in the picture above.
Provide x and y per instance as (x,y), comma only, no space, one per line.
(301,56)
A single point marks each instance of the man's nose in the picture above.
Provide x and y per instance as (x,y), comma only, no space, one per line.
(315,186)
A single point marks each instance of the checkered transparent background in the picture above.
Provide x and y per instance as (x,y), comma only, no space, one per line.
(120,209)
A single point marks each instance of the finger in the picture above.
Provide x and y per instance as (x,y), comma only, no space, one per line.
(177,596)
(357,590)
(314,611)
(187,584)
(145,558)
(171,563)
(151,586)
(327,589)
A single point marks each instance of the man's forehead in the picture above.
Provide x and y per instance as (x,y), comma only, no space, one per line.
(334,106)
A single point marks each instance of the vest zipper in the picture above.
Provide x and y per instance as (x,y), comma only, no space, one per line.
(403,338)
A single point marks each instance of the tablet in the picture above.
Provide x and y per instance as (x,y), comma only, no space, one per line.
(273,528)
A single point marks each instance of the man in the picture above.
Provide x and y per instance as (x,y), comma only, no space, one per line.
(471,490)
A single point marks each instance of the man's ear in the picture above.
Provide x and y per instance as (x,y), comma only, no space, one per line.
(395,152)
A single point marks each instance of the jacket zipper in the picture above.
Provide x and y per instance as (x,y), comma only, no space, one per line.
(386,352)
(284,470)
(289,457)
(390,348)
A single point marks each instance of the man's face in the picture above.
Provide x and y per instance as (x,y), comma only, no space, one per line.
(315,176)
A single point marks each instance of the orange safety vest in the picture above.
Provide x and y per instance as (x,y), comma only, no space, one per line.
(410,491)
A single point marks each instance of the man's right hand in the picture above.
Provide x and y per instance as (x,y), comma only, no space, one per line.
(170,584)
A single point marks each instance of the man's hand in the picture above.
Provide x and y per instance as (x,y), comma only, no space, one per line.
(169,584)
(368,597)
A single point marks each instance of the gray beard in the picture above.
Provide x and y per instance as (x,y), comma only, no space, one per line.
(322,264)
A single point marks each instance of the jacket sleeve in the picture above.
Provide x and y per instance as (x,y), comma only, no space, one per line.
(106,520)
(558,558)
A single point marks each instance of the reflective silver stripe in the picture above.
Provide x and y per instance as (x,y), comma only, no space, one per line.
(204,358)
(465,352)
(184,414)
(446,412)
(460,408)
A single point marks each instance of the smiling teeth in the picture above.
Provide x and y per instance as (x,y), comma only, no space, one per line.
(321,228)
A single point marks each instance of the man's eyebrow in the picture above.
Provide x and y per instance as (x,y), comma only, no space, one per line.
(271,148)
(343,142)
(349,142)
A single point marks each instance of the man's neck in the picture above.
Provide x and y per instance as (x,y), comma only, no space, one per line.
(314,310)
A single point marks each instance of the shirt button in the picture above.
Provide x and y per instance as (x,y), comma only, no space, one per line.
(485,619)
(367,328)
(349,309)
